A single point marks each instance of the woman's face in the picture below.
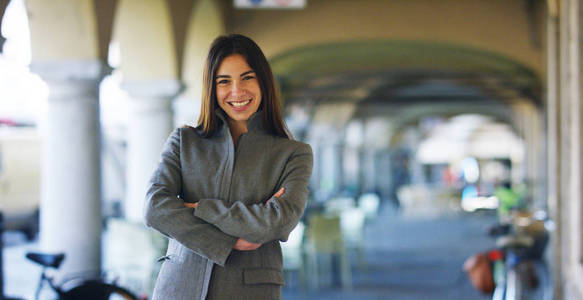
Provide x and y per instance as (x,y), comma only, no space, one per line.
(237,88)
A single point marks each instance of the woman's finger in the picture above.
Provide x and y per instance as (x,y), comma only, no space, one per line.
(279,193)
(191,205)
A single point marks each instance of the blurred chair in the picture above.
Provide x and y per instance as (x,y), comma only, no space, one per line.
(352,225)
(369,204)
(417,201)
(136,269)
(337,205)
(324,241)
(293,254)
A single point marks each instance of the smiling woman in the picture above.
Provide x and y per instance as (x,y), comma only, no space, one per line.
(245,69)
(228,191)
(238,92)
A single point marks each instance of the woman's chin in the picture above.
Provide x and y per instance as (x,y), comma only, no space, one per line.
(240,116)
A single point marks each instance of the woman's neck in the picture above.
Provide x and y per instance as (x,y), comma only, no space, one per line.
(237,129)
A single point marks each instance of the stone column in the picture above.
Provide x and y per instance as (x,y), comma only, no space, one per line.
(149,124)
(368,166)
(70,214)
(539,186)
(186,110)
(340,172)
(553,151)
(362,176)
(3,6)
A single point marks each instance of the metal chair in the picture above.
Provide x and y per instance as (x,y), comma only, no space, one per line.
(325,241)
(293,254)
(338,205)
(369,204)
(352,223)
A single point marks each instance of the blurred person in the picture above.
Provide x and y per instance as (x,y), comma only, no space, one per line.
(400,175)
(228,191)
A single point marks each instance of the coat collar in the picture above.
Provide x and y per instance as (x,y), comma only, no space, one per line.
(254,124)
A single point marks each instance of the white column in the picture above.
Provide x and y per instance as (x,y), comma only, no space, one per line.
(70,214)
(369,165)
(553,151)
(149,124)
(539,186)
(186,110)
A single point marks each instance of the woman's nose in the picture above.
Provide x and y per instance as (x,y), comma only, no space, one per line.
(236,87)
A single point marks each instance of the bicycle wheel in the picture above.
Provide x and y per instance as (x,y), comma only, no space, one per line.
(95,290)
(499,291)
(514,287)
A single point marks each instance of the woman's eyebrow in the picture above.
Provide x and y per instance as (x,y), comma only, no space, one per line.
(229,76)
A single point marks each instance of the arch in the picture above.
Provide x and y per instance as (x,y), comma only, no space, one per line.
(3,6)
(105,12)
(298,68)
(329,58)
(144,30)
(206,24)
(63,30)
(181,12)
(409,117)
(514,33)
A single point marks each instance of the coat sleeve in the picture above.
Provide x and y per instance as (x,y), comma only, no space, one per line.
(261,223)
(166,213)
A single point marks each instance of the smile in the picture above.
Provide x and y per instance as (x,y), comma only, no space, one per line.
(239,104)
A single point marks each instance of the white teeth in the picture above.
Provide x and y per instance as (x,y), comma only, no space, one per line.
(240,104)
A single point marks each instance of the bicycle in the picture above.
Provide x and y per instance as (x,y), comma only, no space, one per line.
(511,282)
(80,288)
(517,262)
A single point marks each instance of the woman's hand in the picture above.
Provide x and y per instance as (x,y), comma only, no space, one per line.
(277,194)
(191,205)
(243,245)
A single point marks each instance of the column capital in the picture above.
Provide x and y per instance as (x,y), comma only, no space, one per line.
(153,89)
(71,80)
(71,70)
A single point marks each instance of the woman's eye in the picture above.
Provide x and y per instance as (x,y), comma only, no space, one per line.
(248,77)
(223,81)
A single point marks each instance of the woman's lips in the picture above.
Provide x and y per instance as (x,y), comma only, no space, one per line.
(240,105)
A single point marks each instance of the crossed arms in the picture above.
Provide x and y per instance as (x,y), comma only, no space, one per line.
(242,244)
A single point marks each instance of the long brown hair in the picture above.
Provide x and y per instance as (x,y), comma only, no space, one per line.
(227,45)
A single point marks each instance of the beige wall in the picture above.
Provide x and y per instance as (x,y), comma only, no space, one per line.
(499,26)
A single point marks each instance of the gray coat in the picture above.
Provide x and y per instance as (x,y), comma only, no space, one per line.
(232,186)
